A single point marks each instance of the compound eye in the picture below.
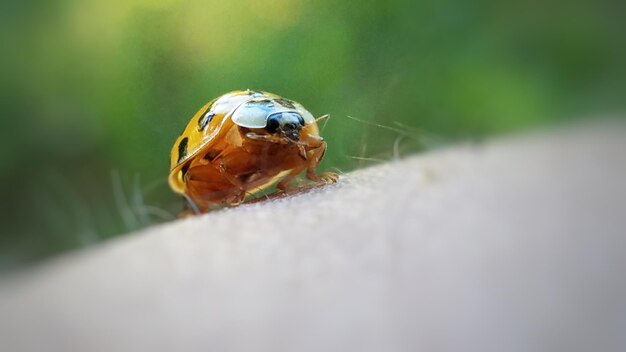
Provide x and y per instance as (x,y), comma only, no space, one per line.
(273,122)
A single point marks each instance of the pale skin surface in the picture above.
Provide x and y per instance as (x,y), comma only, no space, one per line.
(453,250)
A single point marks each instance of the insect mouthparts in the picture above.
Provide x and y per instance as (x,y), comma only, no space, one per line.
(293,135)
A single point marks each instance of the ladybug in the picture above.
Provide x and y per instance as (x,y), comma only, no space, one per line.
(241,143)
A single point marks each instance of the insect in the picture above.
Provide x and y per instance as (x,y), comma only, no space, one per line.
(241,143)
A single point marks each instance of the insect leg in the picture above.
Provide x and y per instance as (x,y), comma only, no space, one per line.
(283,184)
(315,156)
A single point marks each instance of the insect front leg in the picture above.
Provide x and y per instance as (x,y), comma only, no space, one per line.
(267,138)
(241,195)
(314,157)
(283,185)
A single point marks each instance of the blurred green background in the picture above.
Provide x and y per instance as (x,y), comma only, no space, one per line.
(94,93)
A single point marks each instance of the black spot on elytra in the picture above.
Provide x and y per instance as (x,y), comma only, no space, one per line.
(205,120)
(184,170)
(286,103)
(182,149)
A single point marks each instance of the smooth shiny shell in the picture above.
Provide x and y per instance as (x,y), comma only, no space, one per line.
(246,108)
(254,113)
